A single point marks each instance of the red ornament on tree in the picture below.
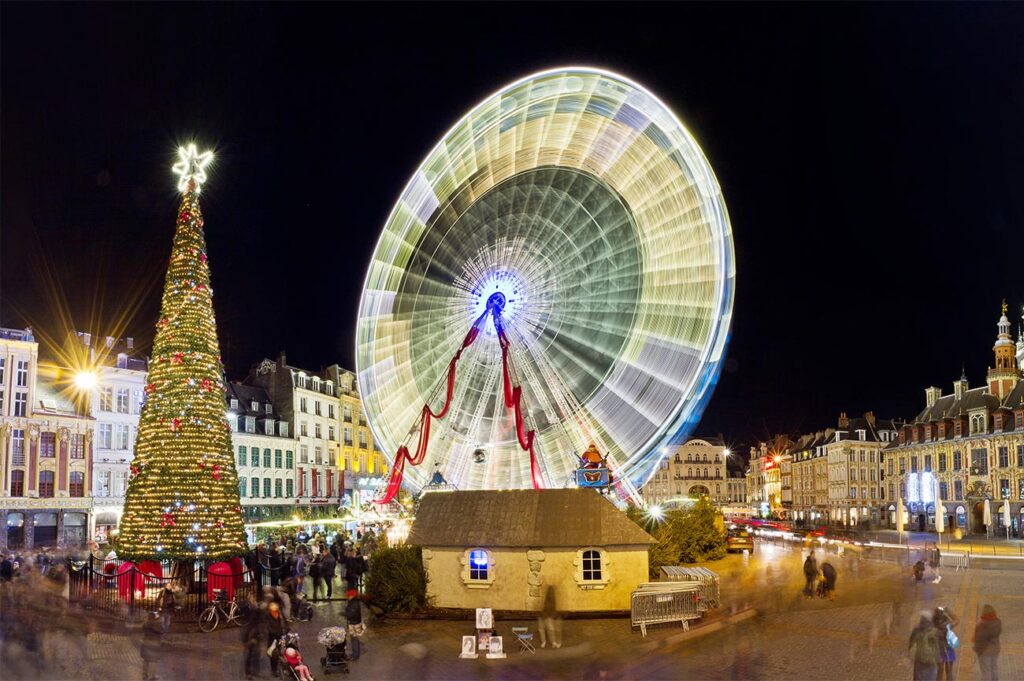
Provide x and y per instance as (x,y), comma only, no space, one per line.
(202,256)
(175,424)
(178,357)
(207,385)
(216,472)
(134,470)
(168,520)
(150,388)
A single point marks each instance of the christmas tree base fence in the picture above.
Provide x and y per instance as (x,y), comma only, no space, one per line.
(125,590)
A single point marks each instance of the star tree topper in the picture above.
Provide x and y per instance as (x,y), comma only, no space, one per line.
(191,166)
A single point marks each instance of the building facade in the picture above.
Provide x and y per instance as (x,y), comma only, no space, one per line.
(364,465)
(308,402)
(856,478)
(115,403)
(696,468)
(264,454)
(46,443)
(967,449)
(764,481)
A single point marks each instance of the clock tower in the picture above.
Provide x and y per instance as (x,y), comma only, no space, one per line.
(1005,374)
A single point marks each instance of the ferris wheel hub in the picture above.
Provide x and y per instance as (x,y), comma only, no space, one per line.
(496,302)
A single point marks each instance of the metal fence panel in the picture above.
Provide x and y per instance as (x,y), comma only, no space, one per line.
(658,604)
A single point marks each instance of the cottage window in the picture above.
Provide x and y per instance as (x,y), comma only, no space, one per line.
(477,568)
(478,565)
(591,568)
(591,565)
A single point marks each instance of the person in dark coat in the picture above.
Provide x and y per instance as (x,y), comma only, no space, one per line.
(925,646)
(276,566)
(986,643)
(166,603)
(829,573)
(354,624)
(354,566)
(327,565)
(251,617)
(276,627)
(810,574)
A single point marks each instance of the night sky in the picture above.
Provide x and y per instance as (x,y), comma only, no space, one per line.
(872,159)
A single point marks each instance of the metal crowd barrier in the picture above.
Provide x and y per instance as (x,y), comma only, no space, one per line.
(710,593)
(661,602)
(957,560)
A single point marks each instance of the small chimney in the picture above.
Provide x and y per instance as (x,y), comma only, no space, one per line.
(131,343)
(844,420)
(282,359)
(870,418)
(931,396)
(960,387)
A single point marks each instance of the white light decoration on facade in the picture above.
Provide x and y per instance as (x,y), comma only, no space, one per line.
(582,198)
(191,165)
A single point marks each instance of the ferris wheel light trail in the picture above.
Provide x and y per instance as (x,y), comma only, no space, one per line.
(582,200)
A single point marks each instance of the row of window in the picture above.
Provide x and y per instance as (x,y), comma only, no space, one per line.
(591,564)
(979,461)
(76,484)
(313,383)
(1004,490)
(119,401)
(20,373)
(979,423)
(47,446)
(250,456)
(114,436)
(279,486)
(20,402)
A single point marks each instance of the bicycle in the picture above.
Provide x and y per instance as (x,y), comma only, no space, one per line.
(210,618)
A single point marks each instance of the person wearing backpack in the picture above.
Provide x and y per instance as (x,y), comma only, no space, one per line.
(948,641)
(924,648)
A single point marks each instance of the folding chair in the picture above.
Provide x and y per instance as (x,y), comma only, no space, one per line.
(525,639)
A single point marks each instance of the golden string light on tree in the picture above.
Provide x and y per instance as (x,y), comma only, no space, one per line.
(182,499)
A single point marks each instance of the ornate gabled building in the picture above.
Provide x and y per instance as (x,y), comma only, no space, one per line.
(696,468)
(967,447)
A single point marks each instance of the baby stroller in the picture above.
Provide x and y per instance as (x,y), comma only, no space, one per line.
(289,640)
(333,639)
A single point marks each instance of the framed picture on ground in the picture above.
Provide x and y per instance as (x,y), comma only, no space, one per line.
(484,618)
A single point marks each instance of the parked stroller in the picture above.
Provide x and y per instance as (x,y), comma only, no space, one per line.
(333,639)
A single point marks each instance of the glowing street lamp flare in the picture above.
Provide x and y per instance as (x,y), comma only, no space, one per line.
(85,380)
(191,166)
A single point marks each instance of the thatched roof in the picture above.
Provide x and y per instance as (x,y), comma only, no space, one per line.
(527,518)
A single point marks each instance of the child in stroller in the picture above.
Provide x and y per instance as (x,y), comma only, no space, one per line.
(333,639)
(291,668)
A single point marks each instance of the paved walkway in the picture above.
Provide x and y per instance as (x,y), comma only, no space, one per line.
(861,635)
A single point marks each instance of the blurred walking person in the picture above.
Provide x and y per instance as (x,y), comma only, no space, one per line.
(152,639)
(251,636)
(549,624)
(986,643)
(944,622)
(829,574)
(924,647)
(810,574)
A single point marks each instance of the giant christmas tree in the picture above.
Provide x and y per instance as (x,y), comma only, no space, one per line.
(182,500)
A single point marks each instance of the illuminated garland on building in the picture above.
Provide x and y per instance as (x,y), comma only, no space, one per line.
(182,500)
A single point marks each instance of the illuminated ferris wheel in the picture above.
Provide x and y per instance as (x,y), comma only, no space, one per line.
(557,273)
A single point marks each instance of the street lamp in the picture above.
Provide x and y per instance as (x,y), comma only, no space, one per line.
(85,380)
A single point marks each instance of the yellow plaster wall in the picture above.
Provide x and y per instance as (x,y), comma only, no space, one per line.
(521,574)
